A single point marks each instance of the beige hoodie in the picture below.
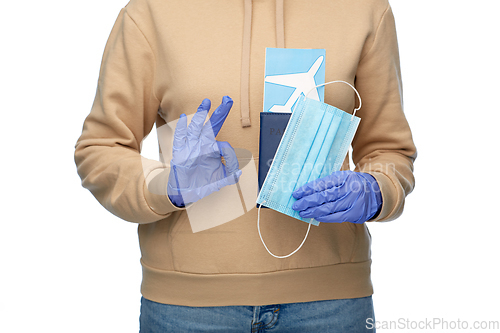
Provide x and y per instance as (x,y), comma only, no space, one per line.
(161,60)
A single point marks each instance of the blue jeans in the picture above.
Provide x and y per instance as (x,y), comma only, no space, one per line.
(339,316)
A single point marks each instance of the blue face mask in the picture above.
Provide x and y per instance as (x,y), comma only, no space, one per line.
(315,144)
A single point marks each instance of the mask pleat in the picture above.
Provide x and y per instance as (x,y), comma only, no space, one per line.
(300,139)
(341,143)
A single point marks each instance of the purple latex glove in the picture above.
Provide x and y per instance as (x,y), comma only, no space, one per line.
(196,169)
(343,196)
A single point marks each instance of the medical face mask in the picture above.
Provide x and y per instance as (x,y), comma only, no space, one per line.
(315,144)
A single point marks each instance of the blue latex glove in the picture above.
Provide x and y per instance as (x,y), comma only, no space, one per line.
(196,169)
(343,196)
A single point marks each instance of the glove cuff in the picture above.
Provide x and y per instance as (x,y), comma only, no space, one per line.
(375,202)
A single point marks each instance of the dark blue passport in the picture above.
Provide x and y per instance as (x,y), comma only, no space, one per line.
(272,127)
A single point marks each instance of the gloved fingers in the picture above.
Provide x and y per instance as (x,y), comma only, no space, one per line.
(308,201)
(310,188)
(180,132)
(214,124)
(196,125)
(316,212)
(319,198)
(337,217)
(229,155)
(352,215)
(327,189)
(326,208)
(352,208)
(334,180)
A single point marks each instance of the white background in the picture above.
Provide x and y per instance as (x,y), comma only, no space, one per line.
(70,266)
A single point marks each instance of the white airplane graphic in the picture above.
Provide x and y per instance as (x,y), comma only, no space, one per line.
(302,82)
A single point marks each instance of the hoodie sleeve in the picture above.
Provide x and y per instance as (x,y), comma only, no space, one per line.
(383,145)
(107,154)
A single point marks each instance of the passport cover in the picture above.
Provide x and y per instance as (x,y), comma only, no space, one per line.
(272,127)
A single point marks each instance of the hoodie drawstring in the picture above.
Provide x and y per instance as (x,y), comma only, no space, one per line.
(245,55)
(280,25)
(245,66)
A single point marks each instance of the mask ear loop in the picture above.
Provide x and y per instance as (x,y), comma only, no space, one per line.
(340,81)
(262,240)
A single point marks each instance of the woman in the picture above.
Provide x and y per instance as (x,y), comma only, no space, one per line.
(161,60)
